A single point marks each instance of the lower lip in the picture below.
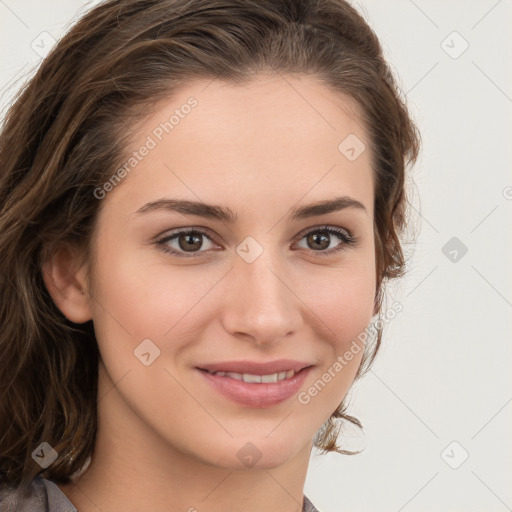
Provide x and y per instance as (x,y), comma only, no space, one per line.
(257,394)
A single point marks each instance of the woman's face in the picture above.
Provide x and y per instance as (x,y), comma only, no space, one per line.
(263,285)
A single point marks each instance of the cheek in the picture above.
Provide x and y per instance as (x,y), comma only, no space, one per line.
(343,305)
(141,298)
(142,292)
(150,300)
(344,301)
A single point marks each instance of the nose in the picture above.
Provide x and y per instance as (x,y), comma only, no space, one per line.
(259,302)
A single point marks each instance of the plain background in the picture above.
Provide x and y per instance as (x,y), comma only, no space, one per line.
(437,406)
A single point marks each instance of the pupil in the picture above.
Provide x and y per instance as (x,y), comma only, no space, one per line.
(193,241)
(314,239)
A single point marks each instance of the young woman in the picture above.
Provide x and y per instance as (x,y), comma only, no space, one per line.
(201,202)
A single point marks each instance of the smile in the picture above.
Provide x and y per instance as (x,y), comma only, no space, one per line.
(257,389)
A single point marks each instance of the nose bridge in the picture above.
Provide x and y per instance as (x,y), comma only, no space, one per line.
(261,305)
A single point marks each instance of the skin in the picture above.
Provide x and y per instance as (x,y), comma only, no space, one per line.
(166,440)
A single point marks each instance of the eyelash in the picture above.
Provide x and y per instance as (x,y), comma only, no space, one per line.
(344,235)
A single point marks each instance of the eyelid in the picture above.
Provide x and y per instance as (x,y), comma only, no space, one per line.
(324,227)
(186,229)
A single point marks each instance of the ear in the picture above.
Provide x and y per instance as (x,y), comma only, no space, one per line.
(66,282)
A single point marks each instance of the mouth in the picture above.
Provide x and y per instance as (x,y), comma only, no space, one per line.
(254,384)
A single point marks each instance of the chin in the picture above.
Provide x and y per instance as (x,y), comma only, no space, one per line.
(257,454)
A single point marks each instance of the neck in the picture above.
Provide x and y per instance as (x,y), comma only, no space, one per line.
(133,468)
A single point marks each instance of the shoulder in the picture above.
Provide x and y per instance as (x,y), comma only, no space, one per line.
(40,495)
(308,506)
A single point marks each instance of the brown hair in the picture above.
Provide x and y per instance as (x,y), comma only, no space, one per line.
(66,134)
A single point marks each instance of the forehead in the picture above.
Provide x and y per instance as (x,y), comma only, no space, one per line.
(278,138)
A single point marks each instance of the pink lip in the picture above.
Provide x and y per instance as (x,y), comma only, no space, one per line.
(255,367)
(256,395)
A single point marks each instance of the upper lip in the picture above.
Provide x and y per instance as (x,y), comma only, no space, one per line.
(255,367)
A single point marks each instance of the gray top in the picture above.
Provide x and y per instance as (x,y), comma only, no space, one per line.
(45,496)
(42,496)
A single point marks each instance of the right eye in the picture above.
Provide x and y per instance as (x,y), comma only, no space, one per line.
(184,243)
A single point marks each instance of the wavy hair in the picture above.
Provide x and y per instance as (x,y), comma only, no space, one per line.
(67,131)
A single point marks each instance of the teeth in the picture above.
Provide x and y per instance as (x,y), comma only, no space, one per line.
(253,379)
(247,377)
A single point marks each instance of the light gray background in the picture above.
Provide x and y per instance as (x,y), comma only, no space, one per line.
(444,374)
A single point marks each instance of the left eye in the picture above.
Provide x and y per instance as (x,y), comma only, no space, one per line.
(320,239)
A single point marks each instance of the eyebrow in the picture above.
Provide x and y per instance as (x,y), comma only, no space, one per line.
(225,214)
